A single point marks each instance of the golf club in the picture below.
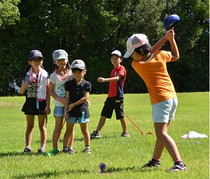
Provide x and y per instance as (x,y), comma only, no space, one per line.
(142,132)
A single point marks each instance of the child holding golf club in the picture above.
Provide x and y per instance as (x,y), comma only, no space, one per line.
(150,64)
(77,93)
(114,100)
(58,78)
(35,85)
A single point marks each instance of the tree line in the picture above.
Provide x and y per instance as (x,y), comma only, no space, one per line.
(92,29)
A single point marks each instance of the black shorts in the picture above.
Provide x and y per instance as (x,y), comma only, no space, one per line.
(111,104)
(32,107)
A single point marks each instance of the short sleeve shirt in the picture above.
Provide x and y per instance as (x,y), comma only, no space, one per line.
(59,82)
(116,88)
(156,77)
(76,93)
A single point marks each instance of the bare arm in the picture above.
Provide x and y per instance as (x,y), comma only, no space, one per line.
(24,86)
(158,45)
(101,79)
(82,100)
(174,48)
(66,105)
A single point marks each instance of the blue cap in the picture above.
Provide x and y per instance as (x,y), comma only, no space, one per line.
(170,21)
(35,54)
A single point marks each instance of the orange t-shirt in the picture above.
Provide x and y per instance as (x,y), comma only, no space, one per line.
(156,77)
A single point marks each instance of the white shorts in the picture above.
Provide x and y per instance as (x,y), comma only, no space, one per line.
(164,111)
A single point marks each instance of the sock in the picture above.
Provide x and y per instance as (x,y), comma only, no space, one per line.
(87,147)
(65,148)
(42,146)
(28,147)
(156,160)
(178,162)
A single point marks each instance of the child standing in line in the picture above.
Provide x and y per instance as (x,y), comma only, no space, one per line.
(35,85)
(58,78)
(150,64)
(115,97)
(77,93)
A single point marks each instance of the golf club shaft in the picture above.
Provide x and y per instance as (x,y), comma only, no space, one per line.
(134,124)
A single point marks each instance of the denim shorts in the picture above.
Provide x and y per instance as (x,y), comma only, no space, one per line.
(59,111)
(79,120)
(164,111)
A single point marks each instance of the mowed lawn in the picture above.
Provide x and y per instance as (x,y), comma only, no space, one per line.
(123,156)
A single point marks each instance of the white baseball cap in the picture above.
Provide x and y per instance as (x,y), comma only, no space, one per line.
(135,41)
(79,64)
(60,54)
(117,52)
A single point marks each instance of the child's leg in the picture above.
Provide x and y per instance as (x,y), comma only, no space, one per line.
(159,146)
(85,132)
(71,140)
(43,130)
(29,130)
(164,140)
(57,131)
(68,133)
(124,125)
(101,123)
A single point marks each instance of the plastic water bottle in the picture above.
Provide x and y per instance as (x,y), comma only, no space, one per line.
(83,116)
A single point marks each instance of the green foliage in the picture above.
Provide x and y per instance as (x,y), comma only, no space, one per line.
(123,156)
(91,30)
(9,12)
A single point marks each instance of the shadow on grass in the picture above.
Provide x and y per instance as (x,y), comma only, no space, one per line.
(68,172)
(61,140)
(132,169)
(50,174)
(12,154)
(118,169)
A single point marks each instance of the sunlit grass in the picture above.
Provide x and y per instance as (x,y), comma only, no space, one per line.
(123,156)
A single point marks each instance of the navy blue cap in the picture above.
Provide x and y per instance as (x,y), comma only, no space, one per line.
(170,21)
(35,54)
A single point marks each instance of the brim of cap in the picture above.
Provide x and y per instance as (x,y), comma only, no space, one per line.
(61,57)
(128,53)
(78,67)
(170,25)
(35,57)
(116,54)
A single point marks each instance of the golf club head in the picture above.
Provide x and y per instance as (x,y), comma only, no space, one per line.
(171,21)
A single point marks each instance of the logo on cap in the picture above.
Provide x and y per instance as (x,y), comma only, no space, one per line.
(79,64)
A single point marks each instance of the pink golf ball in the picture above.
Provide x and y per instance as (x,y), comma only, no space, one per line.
(102,166)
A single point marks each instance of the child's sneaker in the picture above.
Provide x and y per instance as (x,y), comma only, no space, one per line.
(178,166)
(95,135)
(72,151)
(152,163)
(54,151)
(40,151)
(65,150)
(86,150)
(27,151)
(125,134)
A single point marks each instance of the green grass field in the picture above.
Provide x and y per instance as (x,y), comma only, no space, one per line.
(123,156)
